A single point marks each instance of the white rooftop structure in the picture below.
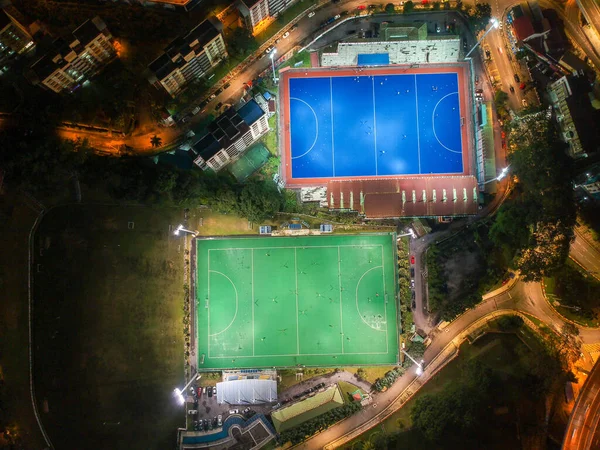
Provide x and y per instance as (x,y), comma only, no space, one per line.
(247,392)
(400,52)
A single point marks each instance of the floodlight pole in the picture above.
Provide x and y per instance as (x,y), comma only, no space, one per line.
(180,393)
(410,233)
(494,24)
(180,228)
(419,364)
(272,55)
(502,174)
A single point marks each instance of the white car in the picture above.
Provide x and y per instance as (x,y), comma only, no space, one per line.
(286,35)
(311,14)
(524,102)
(336,17)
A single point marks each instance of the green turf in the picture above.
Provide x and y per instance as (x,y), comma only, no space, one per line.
(285,301)
(250,162)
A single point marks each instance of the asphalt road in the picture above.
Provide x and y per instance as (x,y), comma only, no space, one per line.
(585,254)
(582,431)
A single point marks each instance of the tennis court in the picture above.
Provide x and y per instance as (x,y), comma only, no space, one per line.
(250,162)
(284,301)
(374,122)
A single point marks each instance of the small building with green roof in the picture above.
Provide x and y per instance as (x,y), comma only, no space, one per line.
(302,411)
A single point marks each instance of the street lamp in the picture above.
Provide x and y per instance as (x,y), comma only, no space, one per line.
(494,24)
(180,228)
(419,364)
(179,393)
(500,176)
(272,55)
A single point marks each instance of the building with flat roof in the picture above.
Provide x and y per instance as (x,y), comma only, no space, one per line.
(188,57)
(237,433)
(176,5)
(14,37)
(398,43)
(229,135)
(560,95)
(73,61)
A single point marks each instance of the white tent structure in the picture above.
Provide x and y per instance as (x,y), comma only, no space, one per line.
(247,392)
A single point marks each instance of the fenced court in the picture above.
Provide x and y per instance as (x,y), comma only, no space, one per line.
(250,162)
(287,301)
(374,122)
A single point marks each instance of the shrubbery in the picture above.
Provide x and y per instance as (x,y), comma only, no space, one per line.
(320,423)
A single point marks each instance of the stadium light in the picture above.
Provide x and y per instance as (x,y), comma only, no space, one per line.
(494,25)
(410,233)
(272,55)
(500,176)
(180,228)
(419,364)
(179,393)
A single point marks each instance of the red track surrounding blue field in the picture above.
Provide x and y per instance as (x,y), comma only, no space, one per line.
(400,123)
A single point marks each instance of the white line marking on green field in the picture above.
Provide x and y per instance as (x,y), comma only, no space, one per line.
(340,283)
(252,302)
(384,301)
(358,309)
(302,354)
(236,302)
(208,296)
(297,327)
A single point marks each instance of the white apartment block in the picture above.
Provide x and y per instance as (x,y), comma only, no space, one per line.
(188,58)
(229,135)
(259,13)
(560,91)
(74,61)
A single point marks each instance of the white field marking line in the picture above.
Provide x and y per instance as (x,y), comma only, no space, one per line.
(236,302)
(296,247)
(252,301)
(459,113)
(316,134)
(417,114)
(387,346)
(356,295)
(433,122)
(208,295)
(374,124)
(340,284)
(297,326)
(332,139)
(301,354)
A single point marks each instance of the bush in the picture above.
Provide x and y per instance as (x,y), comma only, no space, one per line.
(508,323)
(390,8)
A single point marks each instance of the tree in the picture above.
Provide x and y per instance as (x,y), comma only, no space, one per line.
(155,141)
(481,16)
(240,42)
(165,182)
(409,6)
(390,8)
(259,200)
(435,6)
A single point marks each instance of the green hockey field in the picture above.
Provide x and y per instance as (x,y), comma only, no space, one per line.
(287,301)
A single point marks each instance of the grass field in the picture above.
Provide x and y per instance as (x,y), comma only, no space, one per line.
(287,301)
(108,328)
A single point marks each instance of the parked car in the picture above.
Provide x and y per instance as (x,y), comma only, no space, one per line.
(414,304)
(512,89)
(204,390)
(350,31)
(219,106)
(192,411)
(479,91)
(517,79)
(226,86)
(196,110)
(311,14)
(214,390)
(286,35)
(205,425)
(210,392)
(412,259)
(234,411)
(524,102)
(412,272)
(220,420)
(336,17)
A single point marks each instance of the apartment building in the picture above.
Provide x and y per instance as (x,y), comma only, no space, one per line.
(73,61)
(229,135)
(257,14)
(188,57)
(14,37)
